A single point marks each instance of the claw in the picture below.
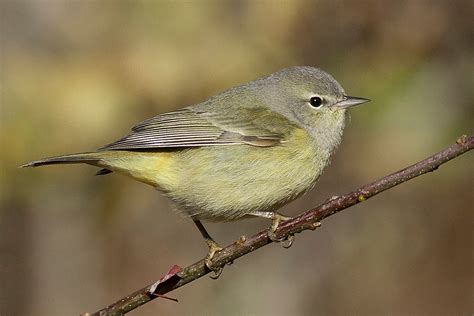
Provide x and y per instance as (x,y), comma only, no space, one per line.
(288,242)
(213,249)
(216,272)
(276,219)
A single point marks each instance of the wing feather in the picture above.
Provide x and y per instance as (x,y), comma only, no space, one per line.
(187,128)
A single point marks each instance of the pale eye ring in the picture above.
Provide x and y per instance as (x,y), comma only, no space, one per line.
(316,102)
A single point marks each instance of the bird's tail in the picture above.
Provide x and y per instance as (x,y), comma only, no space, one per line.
(89,158)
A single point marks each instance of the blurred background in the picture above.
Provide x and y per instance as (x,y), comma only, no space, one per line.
(76,75)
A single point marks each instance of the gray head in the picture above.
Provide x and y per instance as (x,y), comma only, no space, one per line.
(311,98)
(305,90)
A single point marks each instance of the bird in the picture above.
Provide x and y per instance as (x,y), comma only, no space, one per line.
(242,153)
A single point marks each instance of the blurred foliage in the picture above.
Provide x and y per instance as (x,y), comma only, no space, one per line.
(77,74)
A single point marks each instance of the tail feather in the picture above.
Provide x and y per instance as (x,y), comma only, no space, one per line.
(102,172)
(90,158)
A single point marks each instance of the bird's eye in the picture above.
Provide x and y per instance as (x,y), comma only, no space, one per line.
(316,102)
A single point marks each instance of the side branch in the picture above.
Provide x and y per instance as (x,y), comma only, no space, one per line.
(308,220)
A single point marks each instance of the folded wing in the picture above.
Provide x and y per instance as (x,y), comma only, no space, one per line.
(188,128)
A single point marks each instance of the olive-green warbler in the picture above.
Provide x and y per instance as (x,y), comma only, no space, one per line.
(244,152)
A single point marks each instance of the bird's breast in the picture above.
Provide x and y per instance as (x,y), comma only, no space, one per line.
(228,182)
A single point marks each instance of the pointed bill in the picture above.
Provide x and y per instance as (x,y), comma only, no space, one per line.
(349,101)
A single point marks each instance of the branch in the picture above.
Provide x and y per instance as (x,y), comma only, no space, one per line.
(308,220)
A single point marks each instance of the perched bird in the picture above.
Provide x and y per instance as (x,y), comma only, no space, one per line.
(244,152)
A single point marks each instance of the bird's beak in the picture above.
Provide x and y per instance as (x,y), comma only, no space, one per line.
(348,102)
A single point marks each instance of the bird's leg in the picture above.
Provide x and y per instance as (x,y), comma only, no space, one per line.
(276,220)
(213,248)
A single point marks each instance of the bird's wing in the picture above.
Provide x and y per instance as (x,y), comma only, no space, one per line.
(190,128)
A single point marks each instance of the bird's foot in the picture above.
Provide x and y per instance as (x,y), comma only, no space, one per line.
(286,241)
(213,249)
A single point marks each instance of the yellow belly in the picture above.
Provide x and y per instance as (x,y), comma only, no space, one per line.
(227,182)
(154,168)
